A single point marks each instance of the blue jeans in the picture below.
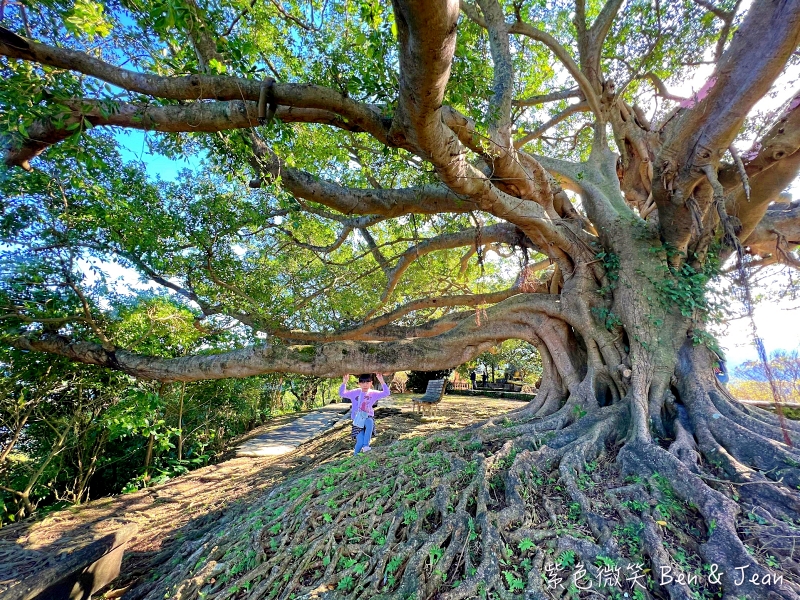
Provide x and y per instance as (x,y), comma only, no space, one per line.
(362,439)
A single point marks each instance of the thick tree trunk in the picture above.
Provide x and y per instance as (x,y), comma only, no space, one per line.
(631,454)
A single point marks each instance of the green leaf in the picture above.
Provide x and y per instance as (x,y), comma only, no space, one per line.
(526,545)
(87,18)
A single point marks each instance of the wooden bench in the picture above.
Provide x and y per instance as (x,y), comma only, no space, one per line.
(430,400)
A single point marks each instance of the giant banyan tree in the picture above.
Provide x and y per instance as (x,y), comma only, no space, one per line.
(381,188)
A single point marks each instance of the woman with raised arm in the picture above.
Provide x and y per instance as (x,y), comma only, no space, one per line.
(363,400)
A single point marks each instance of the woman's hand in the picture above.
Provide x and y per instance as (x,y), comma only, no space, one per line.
(380,377)
(345,377)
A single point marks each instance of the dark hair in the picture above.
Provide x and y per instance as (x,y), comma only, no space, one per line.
(364,377)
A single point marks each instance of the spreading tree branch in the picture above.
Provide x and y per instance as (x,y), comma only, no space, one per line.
(505,320)
(502,232)
(194,117)
(561,53)
(551,97)
(195,87)
(428,199)
(702,134)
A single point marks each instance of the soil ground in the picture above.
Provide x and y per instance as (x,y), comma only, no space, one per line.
(176,510)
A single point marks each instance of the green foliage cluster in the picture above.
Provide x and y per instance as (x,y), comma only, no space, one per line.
(70,433)
(610,262)
(684,287)
(238,252)
(87,203)
(511,356)
(607,317)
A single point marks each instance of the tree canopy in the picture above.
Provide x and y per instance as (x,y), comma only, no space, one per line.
(381,159)
(390,163)
(378,187)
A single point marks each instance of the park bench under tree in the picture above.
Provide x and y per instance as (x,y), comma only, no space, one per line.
(430,400)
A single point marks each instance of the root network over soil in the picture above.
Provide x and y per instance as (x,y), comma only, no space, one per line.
(527,505)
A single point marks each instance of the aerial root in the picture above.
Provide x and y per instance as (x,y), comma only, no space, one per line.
(649,535)
(750,422)
(762,452)
(720,396)
(772,508)
(775,459)
(653,546)
(755,487)
(460,516)
(557,421)
(582,451)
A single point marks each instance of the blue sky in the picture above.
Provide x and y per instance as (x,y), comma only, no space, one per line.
(133,147)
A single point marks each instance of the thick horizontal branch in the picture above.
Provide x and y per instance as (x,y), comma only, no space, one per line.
(769,166)
(778,232)
(427,199)
(392,332)
(511,319)
(555,120)
(195,117)
(550,97)
(196,87)
(780,141)
(661,87)
(766,187)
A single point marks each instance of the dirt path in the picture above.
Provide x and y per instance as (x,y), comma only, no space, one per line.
(183,508)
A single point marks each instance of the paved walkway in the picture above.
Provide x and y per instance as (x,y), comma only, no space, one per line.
(286,438)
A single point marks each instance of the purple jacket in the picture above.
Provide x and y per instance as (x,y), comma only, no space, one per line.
(368,404)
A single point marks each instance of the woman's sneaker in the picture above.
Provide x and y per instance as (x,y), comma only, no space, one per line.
(366,449)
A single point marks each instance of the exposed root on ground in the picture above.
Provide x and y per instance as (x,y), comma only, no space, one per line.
(533,504)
